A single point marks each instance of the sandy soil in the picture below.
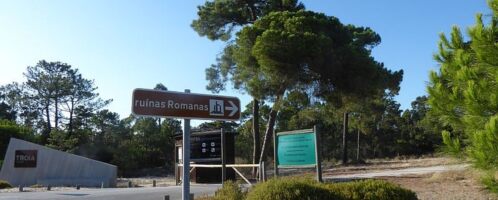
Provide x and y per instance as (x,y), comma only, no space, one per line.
(450,185)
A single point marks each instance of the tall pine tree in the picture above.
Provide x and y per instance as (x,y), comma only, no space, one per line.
(464,92)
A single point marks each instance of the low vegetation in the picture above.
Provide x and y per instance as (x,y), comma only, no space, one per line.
(4,184)
(305,188)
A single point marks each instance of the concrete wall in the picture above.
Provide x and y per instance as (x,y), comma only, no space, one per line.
(56,168)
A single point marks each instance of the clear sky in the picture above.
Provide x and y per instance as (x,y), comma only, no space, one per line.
(123,44)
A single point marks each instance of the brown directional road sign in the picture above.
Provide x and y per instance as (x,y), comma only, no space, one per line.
(159,103)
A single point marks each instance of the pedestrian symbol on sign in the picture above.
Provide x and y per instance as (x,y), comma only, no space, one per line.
(216,107)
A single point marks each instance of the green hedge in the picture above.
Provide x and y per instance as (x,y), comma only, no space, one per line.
(4,184)
(372,190)
(290,189)
(308,189)
(230,190)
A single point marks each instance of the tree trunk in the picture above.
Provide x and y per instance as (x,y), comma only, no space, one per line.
(358,146)
(345,139)
(46,133)
(255,131)
(71,113)
(56,115)
(269,129)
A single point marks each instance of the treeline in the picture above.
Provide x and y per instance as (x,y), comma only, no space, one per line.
(57,107)
(388,132)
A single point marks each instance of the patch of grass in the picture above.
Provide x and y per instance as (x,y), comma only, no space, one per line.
(372,190)
(229,191)
(489,180)
(455,175)
(36,186)
(4,184)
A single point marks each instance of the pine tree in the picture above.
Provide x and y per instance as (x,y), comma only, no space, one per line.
(464,93)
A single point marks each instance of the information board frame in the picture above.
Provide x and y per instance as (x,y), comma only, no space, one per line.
(317,156)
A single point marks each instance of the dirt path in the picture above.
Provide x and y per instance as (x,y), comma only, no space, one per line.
(430,178)
(401,172)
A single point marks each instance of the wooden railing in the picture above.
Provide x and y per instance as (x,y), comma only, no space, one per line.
(260,166)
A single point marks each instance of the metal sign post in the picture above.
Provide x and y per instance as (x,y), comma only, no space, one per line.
(186,158)
(158,103)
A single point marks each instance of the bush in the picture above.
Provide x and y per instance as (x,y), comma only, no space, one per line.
(229,191)
(291,189)
(4,184)
(372,190)
(308,189)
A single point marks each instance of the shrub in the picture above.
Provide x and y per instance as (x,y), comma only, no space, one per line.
(308,189)
(4,184)
(291,189)
(229,191)
(372,190)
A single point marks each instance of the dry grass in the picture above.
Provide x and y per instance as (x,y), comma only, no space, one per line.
(450,185)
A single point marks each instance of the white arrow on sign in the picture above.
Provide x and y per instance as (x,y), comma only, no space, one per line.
(234,108)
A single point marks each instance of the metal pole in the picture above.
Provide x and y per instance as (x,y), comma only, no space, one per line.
(275,153)
(223,158)
(260,170)
(186,158)
(318,156)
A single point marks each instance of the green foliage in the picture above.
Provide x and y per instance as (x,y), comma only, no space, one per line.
(219,18)
(229,191)
(4,184)
(9,129)
(463,92)
(490,181)
(452,145)
(291,189)
(372,190)
(484,147)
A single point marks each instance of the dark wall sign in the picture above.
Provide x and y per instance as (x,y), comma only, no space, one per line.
(205,147)
(25,158)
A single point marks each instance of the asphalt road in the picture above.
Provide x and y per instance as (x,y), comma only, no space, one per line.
(175,192)
(157,193)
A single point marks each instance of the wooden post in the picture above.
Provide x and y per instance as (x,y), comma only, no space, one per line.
(223,158)
(317,154)
(275,153)
(358,146)
(344,139)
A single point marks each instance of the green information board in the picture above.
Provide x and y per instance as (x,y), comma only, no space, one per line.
(296,149)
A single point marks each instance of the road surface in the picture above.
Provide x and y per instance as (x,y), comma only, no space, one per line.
(151,193)
(175,192)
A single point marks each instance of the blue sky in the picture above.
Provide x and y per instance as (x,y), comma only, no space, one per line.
(124,44)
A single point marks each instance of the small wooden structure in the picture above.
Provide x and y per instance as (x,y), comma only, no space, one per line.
(207,148)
